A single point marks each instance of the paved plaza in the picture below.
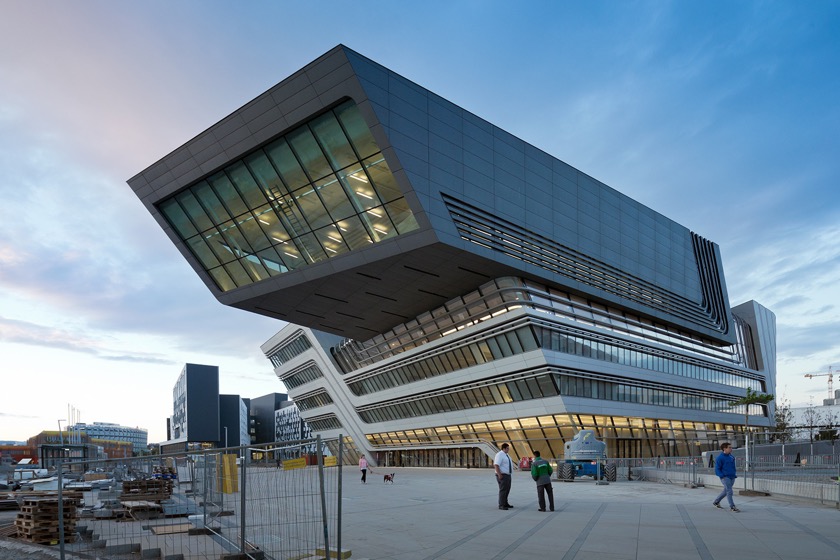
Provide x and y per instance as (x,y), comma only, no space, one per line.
(449,513)
(452,514)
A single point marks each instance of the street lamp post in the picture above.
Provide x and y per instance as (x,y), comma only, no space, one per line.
(60,434)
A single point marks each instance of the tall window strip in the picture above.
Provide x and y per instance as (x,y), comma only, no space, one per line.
(325,422)
(487,347)
(302,375)
(509,343)
(314,399)
(282,354)
(320,191)
(625,437)
(504,294)
(551,382)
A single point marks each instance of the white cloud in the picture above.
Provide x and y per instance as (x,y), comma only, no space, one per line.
(722,117)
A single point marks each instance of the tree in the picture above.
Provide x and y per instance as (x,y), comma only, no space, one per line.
(812,419)
(828,428)
(752,397)
(784,422)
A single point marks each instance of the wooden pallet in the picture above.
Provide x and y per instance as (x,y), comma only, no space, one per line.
(9,530)
(171,529)
(38,519)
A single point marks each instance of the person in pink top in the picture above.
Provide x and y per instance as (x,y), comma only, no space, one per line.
(363,466)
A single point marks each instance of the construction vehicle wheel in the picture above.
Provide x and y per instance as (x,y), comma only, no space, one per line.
(567,472)
(611,472)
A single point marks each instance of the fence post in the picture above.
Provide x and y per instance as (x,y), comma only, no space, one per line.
(204,485)
(242,501)
(320,456)
(340,466)
(61,508)
(838,485)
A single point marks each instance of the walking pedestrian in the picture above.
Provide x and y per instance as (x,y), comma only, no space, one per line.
(363,466)
(725,469)
(503,467)
(541,473)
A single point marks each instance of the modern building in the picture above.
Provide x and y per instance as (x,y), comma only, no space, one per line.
(450,286)
(233,421)
(817,421)
(291,427)
(137,437)
(201,417)
(262,416)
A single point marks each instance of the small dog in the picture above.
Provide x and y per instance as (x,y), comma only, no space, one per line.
(388,478)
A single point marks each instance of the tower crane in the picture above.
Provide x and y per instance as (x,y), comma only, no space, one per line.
(830,375)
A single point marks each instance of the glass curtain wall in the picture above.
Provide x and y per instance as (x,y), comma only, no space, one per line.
(320,191)
(625,438)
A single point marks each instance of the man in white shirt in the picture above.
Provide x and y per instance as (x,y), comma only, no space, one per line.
(504,468)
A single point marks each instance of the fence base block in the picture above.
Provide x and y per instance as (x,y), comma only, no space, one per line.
(342,554)
(752,493)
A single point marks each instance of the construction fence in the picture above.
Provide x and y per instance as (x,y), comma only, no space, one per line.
(263,502)
(810,478)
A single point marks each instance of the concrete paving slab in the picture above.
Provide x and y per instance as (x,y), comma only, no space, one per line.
(451,513)
(432,514)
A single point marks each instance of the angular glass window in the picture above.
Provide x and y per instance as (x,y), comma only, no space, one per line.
(271,225)
(335,198)
(254,267)
(219,245)
(310,248)
(273,262)
(176,216)
(311,207)
(266,176)
(332,139)
(238,274)
(217,212)
(235,240)
(402,216)
(228,194)
(194,210)
(357,129)
(287,164)
(331,240)
(246,185)
(253,233)
(379,224)
(309,153)
(290,254)
(383,180)
(222,279)
(326,176)
(202,252)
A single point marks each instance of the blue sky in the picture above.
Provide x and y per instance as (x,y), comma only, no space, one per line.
(723,116)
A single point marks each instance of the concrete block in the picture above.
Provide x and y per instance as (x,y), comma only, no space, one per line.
(342,554)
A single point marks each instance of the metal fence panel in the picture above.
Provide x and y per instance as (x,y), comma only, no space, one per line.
(238,501)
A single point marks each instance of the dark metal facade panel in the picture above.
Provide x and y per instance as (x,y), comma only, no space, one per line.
(437,149)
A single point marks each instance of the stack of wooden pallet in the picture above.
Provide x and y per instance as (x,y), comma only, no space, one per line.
(150,490)
(38,520)
(165,472)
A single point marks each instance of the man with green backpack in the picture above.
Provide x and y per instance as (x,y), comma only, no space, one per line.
(541,473)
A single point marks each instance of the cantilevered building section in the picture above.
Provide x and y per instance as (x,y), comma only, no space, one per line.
(448,285)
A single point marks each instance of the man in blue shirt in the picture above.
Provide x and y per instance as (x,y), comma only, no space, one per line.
(725,469)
